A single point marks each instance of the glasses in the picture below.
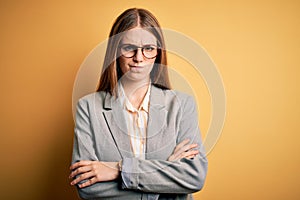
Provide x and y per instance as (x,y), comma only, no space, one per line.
(130,50)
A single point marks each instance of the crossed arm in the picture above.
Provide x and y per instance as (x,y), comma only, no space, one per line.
(91,172)
(182,173)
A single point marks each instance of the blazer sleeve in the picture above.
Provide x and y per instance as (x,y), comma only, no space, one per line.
(84,149)
(159,176)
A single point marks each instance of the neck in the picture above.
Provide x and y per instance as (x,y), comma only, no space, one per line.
(132,87)
(135,90)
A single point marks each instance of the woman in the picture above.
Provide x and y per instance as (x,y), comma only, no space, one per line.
(135,138)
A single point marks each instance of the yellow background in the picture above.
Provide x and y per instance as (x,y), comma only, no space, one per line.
(255,45)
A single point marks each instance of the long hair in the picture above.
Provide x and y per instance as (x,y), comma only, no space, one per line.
(111,71)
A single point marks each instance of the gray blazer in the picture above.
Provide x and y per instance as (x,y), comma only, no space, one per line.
(101,134)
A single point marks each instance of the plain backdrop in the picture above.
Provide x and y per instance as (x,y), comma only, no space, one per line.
(255,45)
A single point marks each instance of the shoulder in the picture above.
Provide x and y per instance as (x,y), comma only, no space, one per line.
(174,96)
(92,99)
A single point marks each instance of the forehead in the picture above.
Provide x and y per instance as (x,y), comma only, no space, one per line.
(138,36)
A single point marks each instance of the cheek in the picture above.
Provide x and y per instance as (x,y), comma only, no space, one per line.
(123,65)
(151,63)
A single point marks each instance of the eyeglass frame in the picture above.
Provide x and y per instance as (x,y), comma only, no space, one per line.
(139,47)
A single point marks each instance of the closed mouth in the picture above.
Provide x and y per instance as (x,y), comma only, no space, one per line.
(133,66)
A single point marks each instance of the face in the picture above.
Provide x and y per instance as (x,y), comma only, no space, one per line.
(137,67)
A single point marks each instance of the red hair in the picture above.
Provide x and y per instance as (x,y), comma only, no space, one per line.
(129,19)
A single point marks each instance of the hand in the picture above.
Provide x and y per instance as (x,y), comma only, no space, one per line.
(93,171)
(184,150)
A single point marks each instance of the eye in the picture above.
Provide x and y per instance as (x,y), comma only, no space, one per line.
(149,48)
(129,47)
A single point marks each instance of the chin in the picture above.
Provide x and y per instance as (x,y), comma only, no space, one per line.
(134,76)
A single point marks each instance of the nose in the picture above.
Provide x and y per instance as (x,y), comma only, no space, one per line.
(138,57)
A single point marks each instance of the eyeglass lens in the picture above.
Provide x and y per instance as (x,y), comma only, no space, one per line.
(129,50)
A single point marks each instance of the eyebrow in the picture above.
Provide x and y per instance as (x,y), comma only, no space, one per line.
(138,45)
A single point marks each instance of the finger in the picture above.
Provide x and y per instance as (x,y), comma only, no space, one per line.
(181,144)
(184,149)
(80,170)
(171,158)
(88,182)
(188,147)
(186,154)
(80,164)
(85,176)
(189,154)
(190,157)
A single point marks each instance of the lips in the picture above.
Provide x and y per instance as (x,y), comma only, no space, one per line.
(134,66)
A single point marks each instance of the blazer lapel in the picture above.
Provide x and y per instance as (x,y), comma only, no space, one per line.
(116,123)
(156,123)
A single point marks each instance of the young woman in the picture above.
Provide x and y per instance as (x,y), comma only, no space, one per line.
(135,138)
